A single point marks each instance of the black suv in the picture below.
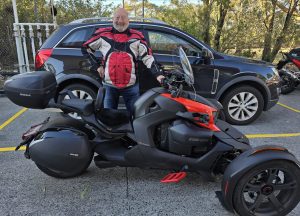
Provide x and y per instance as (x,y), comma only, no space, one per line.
(245,87)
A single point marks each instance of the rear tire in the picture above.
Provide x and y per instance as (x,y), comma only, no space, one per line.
(271,188)
(243,105)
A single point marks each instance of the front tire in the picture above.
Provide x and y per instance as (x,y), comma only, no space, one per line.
(243,105)
(271,188)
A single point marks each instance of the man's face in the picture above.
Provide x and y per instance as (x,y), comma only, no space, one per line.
(120,20)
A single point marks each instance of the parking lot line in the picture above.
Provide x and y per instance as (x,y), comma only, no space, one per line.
(288,107)
(253,136)
(7,122)
(9,149)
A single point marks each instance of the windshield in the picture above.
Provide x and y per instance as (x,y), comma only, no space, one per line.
(186,66)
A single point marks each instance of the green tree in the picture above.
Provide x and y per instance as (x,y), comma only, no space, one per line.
(206,20)
(283,11)
(224,6)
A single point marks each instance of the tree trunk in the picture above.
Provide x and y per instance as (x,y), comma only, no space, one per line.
(266,56)
(280,39)
(223,9)
(206,21)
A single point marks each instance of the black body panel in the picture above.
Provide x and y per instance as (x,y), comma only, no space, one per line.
(185,138)
(144,125)
(32,90)
(64,150)
(70,123)
(149,157)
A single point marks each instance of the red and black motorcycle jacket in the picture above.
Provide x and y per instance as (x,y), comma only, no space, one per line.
(121,51)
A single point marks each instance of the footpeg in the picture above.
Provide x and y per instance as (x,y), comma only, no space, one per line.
(173,177)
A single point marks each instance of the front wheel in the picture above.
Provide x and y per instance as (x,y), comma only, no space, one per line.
(242,105)
(271,188)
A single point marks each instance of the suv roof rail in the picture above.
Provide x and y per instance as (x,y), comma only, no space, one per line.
(99,19)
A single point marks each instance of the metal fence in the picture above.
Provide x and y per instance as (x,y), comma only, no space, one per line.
(28,38)
(19,42)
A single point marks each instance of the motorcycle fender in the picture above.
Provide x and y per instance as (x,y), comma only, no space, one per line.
(246,161)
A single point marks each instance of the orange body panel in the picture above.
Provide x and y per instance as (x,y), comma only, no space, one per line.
(193,106)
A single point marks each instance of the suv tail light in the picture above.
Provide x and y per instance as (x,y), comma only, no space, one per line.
(41,57)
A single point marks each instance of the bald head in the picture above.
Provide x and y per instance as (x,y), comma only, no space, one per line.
(120,19)
(120,11)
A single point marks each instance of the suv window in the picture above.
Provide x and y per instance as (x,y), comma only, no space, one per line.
(77,38)
(164,43)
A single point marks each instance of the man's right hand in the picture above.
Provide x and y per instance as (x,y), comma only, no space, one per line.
(101,71)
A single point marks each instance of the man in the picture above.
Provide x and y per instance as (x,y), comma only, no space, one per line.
(121,47)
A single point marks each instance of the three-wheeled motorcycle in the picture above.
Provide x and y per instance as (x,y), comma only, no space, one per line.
(170,129)
(289,70)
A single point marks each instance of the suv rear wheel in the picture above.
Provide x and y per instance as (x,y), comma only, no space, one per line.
(82,92)
(242,105)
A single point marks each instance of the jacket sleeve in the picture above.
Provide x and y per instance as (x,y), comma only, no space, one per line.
(147,57)
(94,44)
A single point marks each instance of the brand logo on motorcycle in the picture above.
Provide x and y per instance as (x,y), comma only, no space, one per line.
(73,154)
(25,95)
(194,139)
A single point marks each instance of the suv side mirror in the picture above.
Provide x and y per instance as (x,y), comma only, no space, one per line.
(205,57)
(205,53)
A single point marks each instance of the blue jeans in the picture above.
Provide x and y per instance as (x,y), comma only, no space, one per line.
(130,95)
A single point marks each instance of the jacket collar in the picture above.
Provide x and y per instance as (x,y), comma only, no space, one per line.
(115,31)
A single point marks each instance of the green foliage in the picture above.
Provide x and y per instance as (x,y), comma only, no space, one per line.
(243,32)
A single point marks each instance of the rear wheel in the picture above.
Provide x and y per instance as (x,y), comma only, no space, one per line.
(272,188)
(243,105)
(82,92)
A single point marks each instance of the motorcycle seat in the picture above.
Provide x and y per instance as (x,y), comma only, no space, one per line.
(117,120)
(85,107)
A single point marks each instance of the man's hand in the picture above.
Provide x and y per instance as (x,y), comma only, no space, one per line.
(160,78)
(101,71)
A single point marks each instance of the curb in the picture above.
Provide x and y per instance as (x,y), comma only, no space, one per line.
(5,73)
